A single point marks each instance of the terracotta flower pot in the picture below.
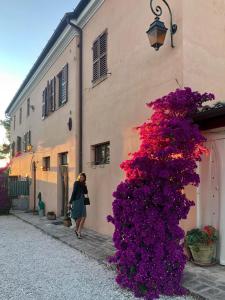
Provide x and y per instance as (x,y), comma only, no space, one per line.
(51,216)
(203,254)
(67,222)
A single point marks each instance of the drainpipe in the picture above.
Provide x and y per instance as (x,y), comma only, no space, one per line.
(80,93)
(34,179)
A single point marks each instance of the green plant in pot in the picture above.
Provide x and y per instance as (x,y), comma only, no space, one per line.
(202,244)
(41,205)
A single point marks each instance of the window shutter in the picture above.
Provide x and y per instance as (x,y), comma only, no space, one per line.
(53,91)
(96,70)
(25,142)
(43,105)
(28,107)
(19,144)
(100,57)
(48,97)
(95,50)
(103,43)
(46,102)
(103,65)
(95,60)
(50,101)
(29,137)
(65,84)
(21,112)
(103,54)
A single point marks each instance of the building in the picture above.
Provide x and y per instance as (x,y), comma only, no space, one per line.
(40,112)
(120,73)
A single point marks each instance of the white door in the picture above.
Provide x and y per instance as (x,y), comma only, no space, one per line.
(211,206)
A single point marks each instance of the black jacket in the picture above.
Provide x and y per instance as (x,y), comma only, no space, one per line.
(79,189)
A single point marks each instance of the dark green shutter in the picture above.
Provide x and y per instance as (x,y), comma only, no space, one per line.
(53,92)
(100,57)
(64,87)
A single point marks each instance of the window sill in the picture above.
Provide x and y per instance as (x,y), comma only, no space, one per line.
(60,106)
(52,112)
(98,81)
(99,165)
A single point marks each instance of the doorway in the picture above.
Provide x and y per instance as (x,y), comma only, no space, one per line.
(64,182)
(211,197)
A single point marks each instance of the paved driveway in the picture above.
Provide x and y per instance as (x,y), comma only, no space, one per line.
(35,266)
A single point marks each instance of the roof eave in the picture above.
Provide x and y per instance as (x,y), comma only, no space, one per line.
(210,119)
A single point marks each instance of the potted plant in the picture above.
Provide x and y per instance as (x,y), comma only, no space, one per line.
(67,221)
(202,244)
(41,206)
(51,215)
(67,218)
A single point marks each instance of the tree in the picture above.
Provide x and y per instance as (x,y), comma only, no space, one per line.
(150,202)
(5,147)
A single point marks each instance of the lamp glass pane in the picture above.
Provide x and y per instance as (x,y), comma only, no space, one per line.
(157,36)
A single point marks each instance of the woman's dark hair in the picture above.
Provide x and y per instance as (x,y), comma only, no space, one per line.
(82,174)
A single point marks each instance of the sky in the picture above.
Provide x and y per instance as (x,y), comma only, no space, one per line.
(25,28)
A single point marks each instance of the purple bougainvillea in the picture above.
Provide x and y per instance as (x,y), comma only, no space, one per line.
(150,202)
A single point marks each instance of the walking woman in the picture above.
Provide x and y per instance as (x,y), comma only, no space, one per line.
(78,211)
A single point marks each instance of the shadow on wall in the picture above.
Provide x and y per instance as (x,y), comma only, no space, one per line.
(47,144)
(51,195)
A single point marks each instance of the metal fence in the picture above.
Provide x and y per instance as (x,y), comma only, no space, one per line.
(18,187)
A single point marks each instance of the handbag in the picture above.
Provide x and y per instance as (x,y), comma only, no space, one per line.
(86,201)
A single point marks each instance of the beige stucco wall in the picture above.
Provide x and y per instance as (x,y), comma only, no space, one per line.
(114,107)
(203,44)
(50,136)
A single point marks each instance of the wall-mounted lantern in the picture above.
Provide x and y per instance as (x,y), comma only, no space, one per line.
(69,124)
(29,148)
(157,30)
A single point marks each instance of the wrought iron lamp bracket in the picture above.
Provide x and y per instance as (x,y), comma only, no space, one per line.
(157,11)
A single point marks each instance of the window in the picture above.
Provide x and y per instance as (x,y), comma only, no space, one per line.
(51,95)
(63,86)
(100,57)
(19,144)
(48,98)
(101,153)
(44,104)
(28,107)
(26,141)
(20,119)
(59,84)
(64,158)
(46,163)
(13,149)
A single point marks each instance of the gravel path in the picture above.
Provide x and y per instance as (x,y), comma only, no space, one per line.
(35,266)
